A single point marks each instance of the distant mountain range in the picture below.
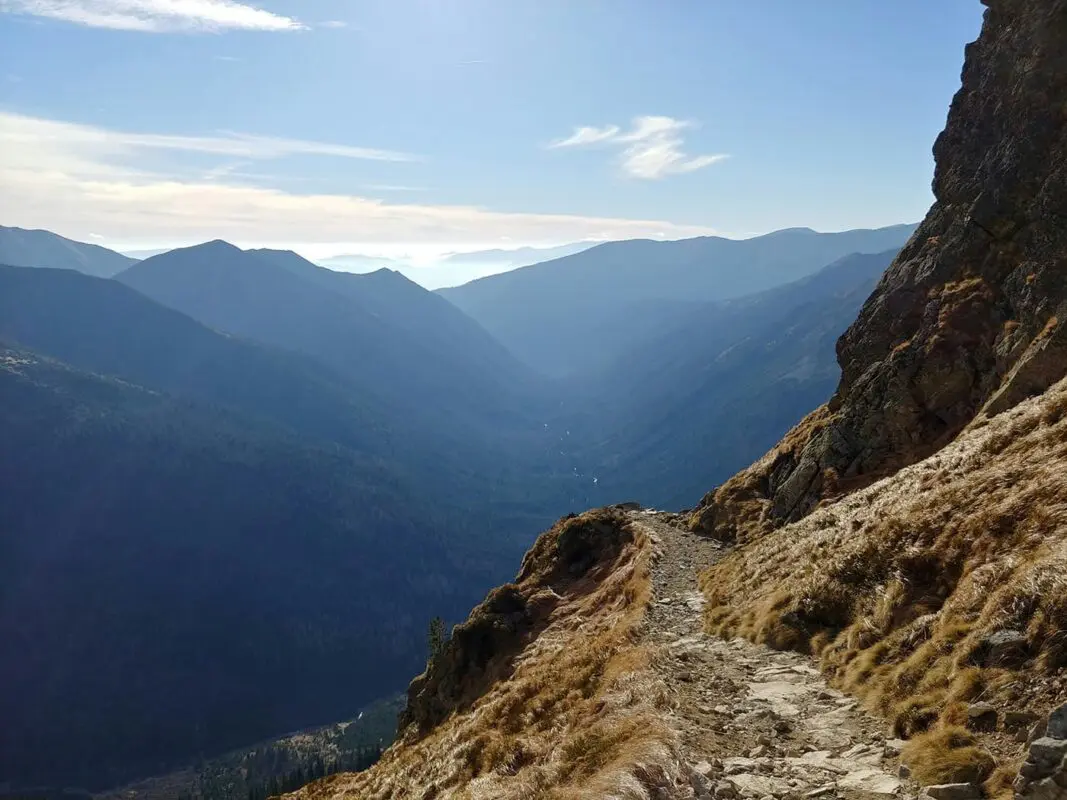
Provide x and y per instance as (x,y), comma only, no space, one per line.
(519,257)
(139,255)
(34,248)
(582,311)
(289,469)
(355,262)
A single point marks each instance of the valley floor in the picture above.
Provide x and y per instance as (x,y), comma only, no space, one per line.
(752,722)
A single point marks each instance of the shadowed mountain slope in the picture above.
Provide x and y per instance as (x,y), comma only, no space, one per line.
(696,403)
(34,248)
(317,314)
(180,579)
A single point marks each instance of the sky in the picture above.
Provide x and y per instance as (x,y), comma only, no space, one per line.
(423,126)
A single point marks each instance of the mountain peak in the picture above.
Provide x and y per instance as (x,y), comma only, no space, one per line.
(388,275)
(212,246)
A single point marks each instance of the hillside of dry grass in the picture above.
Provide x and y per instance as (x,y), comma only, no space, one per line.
(544,691)
(929,591)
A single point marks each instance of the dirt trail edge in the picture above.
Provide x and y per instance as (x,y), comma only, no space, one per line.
(754,722)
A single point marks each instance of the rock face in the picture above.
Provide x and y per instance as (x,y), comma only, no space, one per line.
(970,318)
(1044,775)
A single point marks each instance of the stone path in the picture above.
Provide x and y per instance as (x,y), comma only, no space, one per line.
(755,723)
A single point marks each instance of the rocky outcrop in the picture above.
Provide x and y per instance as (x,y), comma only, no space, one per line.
(482,649)
(970,317)
(1044,775)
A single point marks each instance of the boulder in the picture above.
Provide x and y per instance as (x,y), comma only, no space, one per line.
(1015,721)
(953,791)
(1047,789)
(981,717)
(893,748)
(705,768)
(1057,723)
(872,784)
(701,785)
(1005,648)
(1048,751)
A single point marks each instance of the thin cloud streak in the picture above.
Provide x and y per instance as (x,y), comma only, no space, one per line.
(72,136)
(588,135)
(394,187)
(652,148)
(156,16)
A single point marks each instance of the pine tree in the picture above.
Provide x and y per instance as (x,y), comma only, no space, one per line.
(437,638)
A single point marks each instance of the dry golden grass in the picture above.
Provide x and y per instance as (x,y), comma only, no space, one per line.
(580,713)
(948,755)
(896,587)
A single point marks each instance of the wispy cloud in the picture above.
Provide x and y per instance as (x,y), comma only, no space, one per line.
(334,23)
(651,148)
(227,58)
(394,187)
(79,180)
(87,138)
(155,16)
(588,135)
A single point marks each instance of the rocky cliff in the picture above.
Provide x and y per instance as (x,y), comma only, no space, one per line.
(969,319)
(911,533)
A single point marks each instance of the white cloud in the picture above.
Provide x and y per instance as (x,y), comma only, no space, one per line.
(100,141)
(156,15)
(78,180)
(652,148)
(334,23)
(587,135)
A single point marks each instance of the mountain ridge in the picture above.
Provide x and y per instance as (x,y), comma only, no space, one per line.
(560,316)
(258,298)
(39,248)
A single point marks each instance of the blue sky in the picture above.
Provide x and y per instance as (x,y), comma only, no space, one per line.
(340,125)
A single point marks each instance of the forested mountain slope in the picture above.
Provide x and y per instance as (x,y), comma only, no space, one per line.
(209,578)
